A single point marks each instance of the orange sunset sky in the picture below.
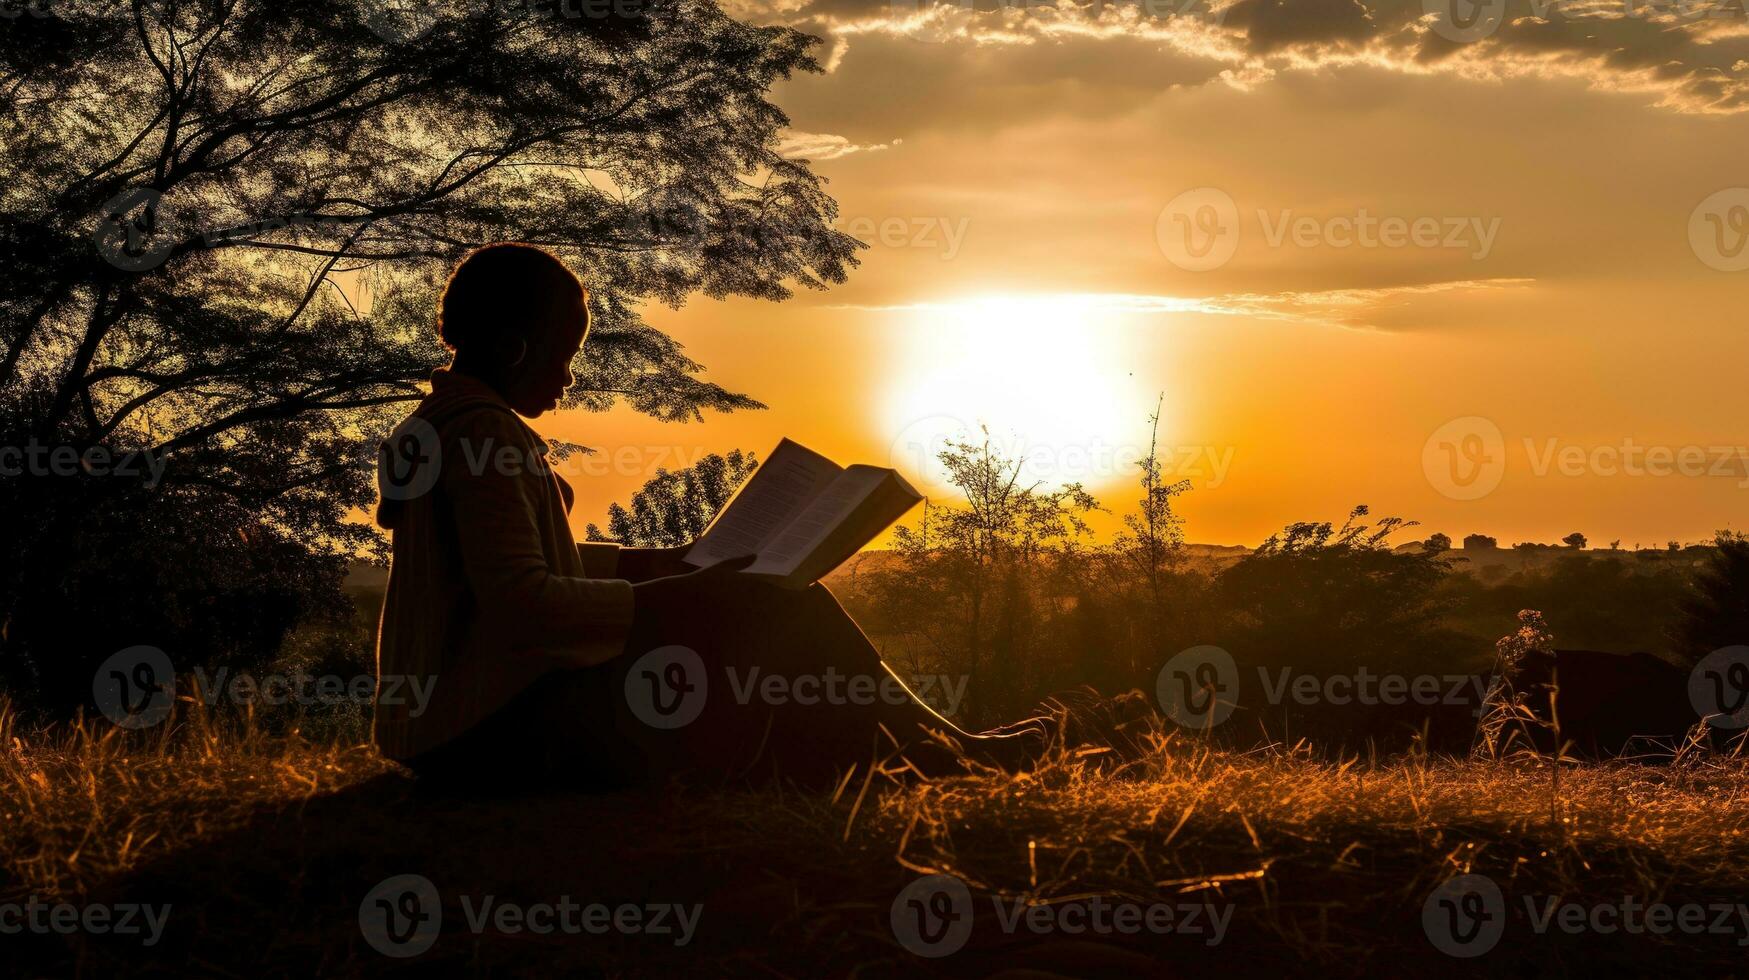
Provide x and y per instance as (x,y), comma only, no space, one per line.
(1021,179)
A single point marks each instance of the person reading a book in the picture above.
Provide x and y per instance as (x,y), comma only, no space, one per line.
(550,661)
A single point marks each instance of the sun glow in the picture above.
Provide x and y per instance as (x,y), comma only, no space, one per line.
(1054,380)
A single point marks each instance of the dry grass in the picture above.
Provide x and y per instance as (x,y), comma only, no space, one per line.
(269,842)
(87,802)
(1333,860)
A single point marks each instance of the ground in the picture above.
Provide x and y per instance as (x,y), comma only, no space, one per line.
(1268,862)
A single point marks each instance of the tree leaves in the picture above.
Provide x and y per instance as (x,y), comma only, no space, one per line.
(280,188)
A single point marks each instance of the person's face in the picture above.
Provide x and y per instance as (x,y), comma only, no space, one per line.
(535,386)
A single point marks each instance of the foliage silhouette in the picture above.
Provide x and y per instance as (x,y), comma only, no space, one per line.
(240,214)
(1715,613)
(674,508)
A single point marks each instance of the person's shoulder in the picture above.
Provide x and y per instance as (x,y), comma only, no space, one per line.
(484,429)
(475,417)
(458,402)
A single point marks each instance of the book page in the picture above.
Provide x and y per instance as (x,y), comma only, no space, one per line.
(886,503)
(779,489)
(825,514)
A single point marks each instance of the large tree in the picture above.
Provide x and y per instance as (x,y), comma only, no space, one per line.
(223,223)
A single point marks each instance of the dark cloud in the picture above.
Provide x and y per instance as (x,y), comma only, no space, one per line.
(1688,55)
(1273,24)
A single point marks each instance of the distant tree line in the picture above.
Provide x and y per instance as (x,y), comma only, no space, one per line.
(1007,588)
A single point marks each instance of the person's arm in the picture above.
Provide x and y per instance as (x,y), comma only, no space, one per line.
(608,559)
(600,558)
(644,564)
(502,552)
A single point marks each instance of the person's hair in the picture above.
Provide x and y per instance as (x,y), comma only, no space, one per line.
(502,289)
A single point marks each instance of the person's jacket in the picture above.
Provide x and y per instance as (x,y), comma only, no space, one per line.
(488,590)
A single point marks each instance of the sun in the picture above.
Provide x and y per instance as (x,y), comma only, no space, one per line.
(1053,379)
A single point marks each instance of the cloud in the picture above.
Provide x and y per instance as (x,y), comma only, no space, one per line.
(1359,309)
(1273,24)
(1686,55)
(795,145)
(1354,309)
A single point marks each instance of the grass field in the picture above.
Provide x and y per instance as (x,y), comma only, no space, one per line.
(1183,861)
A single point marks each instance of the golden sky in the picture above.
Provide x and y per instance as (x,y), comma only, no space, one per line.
(1493,286)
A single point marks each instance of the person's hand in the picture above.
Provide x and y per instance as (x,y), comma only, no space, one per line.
(690,588)
(645,564)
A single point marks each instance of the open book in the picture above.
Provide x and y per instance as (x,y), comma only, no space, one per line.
(803,515)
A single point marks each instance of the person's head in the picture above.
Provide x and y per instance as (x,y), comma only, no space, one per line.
(515,317)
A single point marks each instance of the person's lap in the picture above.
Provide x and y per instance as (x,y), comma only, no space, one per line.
(790,686)
(733,707)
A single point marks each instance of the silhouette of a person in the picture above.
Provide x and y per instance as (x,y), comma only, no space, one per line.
(548,662)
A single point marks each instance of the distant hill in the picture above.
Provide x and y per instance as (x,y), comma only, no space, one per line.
(364,578)
(1505,561)
(1205,557)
